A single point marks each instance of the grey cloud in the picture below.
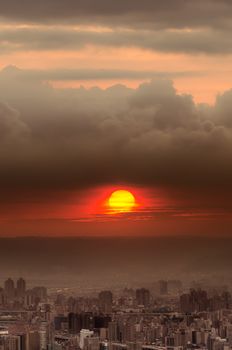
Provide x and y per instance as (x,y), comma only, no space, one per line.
(11,127)
(12,72)
(207,41)
(223,110)
(147,136)
(160,14)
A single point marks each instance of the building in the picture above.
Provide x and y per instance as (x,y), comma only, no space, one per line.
(9,288)
(197,301)
(44,336)
(74,323)
(20,287)
(143,297)
(33,340)
(84,333)
(105,301)
(91,343)
(113,332)
(163,287)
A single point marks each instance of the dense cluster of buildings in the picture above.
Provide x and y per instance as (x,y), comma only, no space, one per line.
(15,295)
(198,300)
(127,320)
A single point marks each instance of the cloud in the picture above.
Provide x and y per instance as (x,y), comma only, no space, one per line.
(204,40)
(23,75)
(76,138)
(176,26)
(11,127)
(148,13)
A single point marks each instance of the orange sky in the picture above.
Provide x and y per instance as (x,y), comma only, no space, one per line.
(206,76)
(196,56)
(160,212)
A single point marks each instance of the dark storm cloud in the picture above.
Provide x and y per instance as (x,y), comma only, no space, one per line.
(207,41)
(159,14)
(67,139)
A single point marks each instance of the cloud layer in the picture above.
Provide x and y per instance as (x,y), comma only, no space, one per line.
(159,14)
(179,26)
(70,139)
(208,41)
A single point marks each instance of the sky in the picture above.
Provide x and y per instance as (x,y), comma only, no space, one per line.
(102,95)
(93,264)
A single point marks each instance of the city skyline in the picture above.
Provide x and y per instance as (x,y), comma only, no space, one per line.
(169,315)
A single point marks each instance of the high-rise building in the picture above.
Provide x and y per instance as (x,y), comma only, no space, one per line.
(113,333)
(103,333)
(143,297)
(3,298)
(226,300)
(40,293)
(185,305)
(29,298)
(9,288)
(87,320)
(10,342)
(21,287)
(163,287)
(101,321)
(22,341)
(128,333)
(105,301)
(229,333)
(60,322)
(44,336)
(197,300)
(74,323)
(33,340)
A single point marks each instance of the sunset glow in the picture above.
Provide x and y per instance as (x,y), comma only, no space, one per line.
(115,113)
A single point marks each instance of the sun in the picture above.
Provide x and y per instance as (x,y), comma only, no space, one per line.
(121,201)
